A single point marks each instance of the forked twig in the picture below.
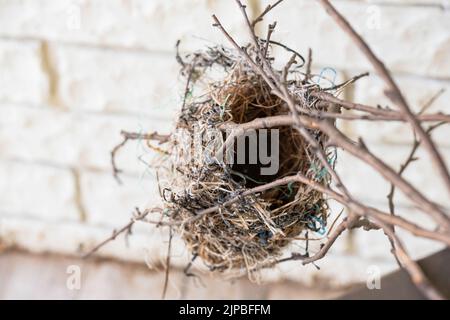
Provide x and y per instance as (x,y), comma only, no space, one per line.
(166,274)
(133,136)
(139,216)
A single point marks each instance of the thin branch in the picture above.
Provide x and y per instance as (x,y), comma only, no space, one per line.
(125,229)
(270,30)
(383,114)
(308,66)
(418,277)
(430,102)
(344,84)
(243,52)
(410,159)
(286,68)
(266,11)
(133,136)
(285,47)
(166,274)
(178,56)
(345,224)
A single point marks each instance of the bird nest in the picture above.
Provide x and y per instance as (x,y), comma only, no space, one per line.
(250,222)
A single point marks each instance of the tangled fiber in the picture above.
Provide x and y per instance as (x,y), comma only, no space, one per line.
(251,232)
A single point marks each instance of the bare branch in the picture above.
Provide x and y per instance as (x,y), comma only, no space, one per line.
(382,114)
(308,66)
(139,216)
(415,272)
(133,136)
(166,274)
(266,11)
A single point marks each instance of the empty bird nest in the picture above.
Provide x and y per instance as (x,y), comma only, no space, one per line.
(226,210)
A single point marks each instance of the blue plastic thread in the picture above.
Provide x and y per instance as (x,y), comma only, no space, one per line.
(322,78)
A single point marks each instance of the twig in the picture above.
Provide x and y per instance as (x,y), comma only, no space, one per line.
(266,10)
(345,224)
(126,228)
(178,56)
(308,66)
(287,67)
(418,277)
(378,111)
(189,265)
(188,83)
(430,102)
(243,52)
(166,275)
(285,47)
(352,80)
(133,136)
(270,30)
(410,159)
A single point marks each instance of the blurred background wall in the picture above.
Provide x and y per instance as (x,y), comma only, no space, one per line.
(73,73)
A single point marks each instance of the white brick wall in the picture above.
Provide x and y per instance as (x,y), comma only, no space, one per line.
(103,80)
(41,192)
(155,25)
(22,78)
(73,73)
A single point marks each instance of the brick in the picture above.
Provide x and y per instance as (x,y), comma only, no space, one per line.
(23,78)
(73,138)
(37,191)
(118,81)
(154,25)
(409,39)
